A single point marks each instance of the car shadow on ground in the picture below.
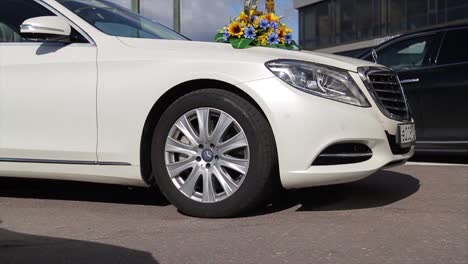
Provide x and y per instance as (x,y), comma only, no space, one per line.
(17,248)
(381,189)
(79,191)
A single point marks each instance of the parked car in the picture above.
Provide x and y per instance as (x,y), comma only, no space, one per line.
(90,91)
(432,66)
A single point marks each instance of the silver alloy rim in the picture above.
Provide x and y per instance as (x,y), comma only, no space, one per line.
(207,155)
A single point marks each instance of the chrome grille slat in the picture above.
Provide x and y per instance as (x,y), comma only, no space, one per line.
(403,109)
(390,83)
(392,100)
(388,93)
(383,74)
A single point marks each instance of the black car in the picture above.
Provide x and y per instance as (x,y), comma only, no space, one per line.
(433,68)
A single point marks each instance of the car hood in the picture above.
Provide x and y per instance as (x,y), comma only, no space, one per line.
(223,51)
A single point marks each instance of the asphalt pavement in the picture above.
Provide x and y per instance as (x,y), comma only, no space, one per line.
(411,214)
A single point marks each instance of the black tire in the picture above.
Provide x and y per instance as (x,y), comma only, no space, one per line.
(261,179)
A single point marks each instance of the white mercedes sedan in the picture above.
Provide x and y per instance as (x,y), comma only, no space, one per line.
(90,91)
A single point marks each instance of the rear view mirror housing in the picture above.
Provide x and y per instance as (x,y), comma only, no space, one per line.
(46,28)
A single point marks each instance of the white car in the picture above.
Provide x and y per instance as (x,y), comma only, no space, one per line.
(92,92)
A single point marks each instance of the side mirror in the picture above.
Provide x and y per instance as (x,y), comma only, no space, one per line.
(46,28)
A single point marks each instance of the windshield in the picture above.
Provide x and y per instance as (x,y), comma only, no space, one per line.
(118,21)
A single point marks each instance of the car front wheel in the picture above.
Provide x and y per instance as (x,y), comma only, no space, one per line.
(214,155)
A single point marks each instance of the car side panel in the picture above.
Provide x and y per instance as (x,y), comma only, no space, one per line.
(132,82)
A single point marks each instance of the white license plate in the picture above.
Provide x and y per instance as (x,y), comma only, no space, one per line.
(406,134)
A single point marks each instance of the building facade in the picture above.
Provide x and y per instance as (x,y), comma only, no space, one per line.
(354,25)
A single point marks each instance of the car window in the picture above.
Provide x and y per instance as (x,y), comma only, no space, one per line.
(117,21)
(408,53)
(13,13)
(455,47)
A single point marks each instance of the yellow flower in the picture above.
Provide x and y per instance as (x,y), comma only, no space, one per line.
(272,17)
(281,32)
(243,17)
(256,23)
(235,29)
(263,39)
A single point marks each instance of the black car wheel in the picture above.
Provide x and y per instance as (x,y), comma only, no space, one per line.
(214,154)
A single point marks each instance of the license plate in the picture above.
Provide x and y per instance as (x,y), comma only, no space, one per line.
(406,134)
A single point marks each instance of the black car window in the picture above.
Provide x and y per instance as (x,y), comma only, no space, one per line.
(13,13)
(454,48)
(408,53)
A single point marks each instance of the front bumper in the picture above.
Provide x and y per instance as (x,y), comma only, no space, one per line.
(304,125)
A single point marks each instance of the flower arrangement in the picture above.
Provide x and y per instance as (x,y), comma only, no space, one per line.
(253,28)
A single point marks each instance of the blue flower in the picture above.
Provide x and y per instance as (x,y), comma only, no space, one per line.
(273,39)
(264,24)
(249,32)
(288,38)
(252,18)
(274,25)
(225,35)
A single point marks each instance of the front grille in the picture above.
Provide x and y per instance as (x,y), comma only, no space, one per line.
(388,94)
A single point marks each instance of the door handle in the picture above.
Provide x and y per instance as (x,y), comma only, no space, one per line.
(415,80)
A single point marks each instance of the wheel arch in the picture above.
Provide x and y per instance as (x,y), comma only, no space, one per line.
(165,101)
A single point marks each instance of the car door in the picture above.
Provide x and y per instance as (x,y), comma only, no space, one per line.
(47,92)
(410,57)
(446,93)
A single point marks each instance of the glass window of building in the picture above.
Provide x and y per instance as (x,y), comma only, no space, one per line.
(330,23)
(366,22)
(324,27)
(347,29)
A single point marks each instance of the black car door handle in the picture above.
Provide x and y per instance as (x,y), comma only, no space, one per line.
(415,80)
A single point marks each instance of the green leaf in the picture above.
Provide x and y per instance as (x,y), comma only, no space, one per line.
(294,44)
(241,43)
(281,46)
(219,37)
(278,46)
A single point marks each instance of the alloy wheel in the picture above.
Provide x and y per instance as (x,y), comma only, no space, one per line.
(207,155)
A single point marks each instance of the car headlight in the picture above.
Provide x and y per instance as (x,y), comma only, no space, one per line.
(323,81)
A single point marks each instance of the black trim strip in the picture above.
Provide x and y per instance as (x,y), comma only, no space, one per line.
(67,162)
